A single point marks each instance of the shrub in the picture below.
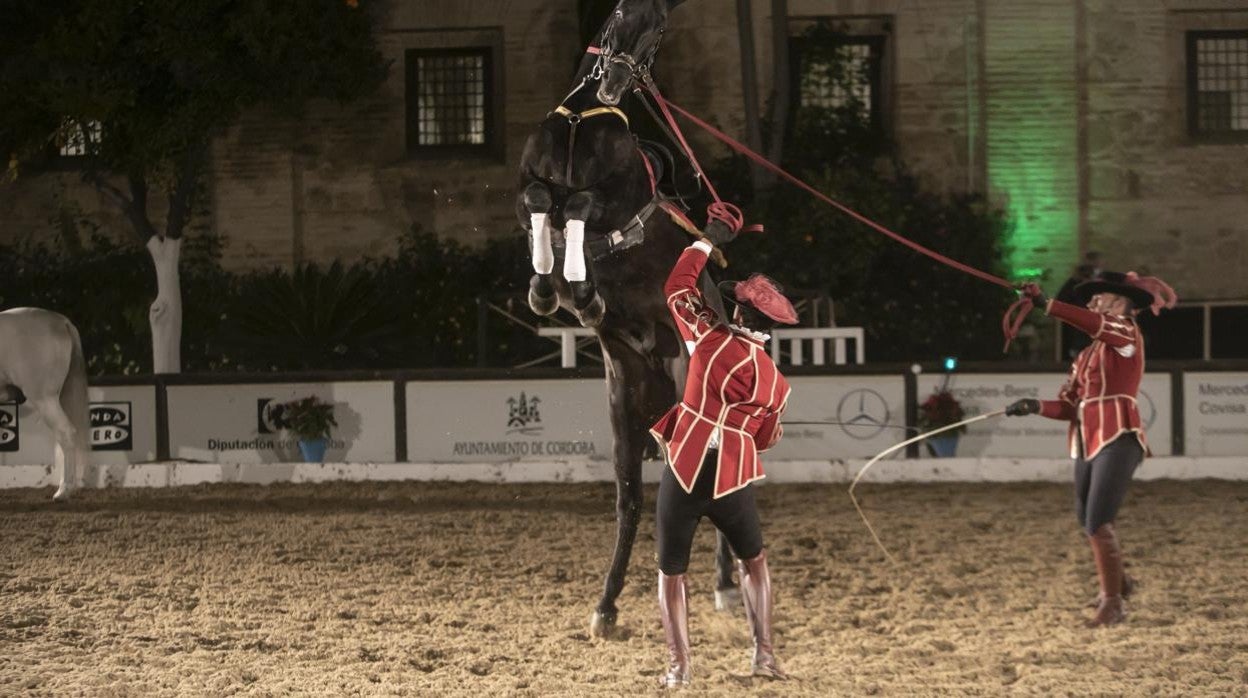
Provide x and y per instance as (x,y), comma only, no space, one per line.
(941,409)
(338,317)
(309,418)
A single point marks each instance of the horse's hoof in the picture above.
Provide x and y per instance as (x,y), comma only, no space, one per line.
(62,495)
(592,314)
(728,600)
(542,297)
(600,625)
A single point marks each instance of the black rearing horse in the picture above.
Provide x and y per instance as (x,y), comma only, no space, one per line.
(603,242)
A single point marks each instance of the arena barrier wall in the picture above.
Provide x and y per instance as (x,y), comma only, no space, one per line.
(553,425)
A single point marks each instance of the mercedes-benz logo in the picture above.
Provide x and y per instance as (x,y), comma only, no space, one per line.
(863,413)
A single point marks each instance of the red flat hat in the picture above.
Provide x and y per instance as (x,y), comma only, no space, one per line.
(762,294)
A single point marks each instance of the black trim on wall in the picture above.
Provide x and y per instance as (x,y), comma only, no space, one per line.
(162,420)
(400,421)
(1177,420)
(912,410)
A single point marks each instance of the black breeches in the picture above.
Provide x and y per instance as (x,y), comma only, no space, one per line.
(1101,483)
(734,514)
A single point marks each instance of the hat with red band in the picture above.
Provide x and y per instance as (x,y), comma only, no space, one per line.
(1143,291)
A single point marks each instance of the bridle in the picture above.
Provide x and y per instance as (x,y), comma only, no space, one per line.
(639,71)
(607,56)
(639,74)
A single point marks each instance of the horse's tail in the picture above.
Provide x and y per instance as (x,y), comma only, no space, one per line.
(74,396)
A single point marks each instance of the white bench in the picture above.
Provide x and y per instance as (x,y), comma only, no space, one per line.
(820,336)
(568,337)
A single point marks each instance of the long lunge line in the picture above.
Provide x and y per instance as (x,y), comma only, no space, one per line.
(893,449)
(769,165)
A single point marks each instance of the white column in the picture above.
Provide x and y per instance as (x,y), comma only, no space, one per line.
(567,348)
(165,315)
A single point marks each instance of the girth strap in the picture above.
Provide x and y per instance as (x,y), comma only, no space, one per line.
(634,233)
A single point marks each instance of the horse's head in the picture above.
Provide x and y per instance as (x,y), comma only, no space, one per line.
(630,39)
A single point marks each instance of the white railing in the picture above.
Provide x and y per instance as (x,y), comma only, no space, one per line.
(819,337)
(568,338)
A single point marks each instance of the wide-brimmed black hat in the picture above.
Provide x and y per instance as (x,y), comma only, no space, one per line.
(1114,282)
(763,295)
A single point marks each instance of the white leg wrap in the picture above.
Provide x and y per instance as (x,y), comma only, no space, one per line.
(543,255)
(574,256)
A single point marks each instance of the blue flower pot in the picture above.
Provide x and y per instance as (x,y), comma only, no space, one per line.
(943,446)
(313,451)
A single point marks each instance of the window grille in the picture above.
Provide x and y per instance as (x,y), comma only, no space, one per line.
(1217,84)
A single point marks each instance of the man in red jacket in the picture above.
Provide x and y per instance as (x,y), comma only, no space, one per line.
(1106,436)
(734,396)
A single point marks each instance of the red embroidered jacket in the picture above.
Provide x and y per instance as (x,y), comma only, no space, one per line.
(1099,397)
(732,386)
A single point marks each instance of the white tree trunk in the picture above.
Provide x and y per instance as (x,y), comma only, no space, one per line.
(166,311)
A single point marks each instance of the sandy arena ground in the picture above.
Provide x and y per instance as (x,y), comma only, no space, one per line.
(455,589)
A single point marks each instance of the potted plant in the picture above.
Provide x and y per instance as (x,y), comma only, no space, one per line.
(310,420)
(941,409)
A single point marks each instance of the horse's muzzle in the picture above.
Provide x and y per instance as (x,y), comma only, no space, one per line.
(614,83)
(610,97)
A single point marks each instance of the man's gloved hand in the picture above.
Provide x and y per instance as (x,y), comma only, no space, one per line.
(1020,408)
(719,234)
(1032,291)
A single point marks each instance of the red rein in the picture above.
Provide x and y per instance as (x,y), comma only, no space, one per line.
(1014,317)
(730,214)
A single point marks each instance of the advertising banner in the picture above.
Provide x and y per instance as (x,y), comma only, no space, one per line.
(246,424)
(1035,436)
(860,416)
(1215,414)
(123,428)
(508,421)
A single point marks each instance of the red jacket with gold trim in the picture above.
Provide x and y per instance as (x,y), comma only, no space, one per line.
(1099,397)
(732,385)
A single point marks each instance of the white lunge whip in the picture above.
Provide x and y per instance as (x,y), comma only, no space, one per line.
(893,449)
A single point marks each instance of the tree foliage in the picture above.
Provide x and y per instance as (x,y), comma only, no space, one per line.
(415,309)
(160,79)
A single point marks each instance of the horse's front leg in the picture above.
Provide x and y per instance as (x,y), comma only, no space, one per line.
(582,207)
(537,200)
(630,438)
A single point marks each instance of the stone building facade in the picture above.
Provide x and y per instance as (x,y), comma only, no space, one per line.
(1073,114)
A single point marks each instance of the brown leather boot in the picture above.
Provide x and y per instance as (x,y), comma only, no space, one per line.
(675,613)
(1108,558)
(1129,585)
(756,591)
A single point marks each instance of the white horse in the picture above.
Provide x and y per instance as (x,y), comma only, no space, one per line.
(41,361)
